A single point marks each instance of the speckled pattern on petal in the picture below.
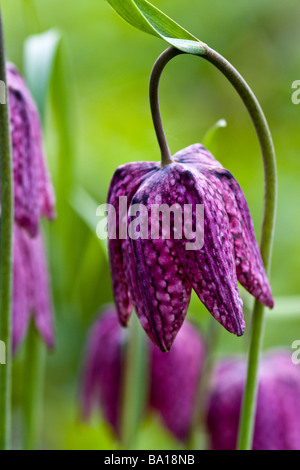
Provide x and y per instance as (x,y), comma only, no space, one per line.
(162,292)
(125,182)
(159,273)
(211,270)
(249,265)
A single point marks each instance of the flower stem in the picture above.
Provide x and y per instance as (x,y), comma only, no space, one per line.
(6,235)
(34,380)
(267,148)
(157,70)
(268,225)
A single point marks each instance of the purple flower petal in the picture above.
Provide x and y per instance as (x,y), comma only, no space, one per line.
(278,408)
(160,290)
(33,192)
(210,270)
(174,376)
(20,304)
(249,265)
(125,182)
(103,369)
(175,380)
(40,304)
(159,273)
(31,296)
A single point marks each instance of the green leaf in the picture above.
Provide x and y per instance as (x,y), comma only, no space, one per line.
(146,17)
(39,57)
(86,208)
(212,131)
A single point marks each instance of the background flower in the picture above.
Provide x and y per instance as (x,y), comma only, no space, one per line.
(33,192)
(174,376)
(278,406)
(33,198)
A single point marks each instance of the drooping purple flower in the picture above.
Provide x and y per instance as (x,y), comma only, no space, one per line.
(278,405)
(31,296)
(33,192)
(33,198)
(156,275)
(173,376)
(174,380)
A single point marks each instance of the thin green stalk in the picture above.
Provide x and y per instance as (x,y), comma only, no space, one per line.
(135,383)
(34,371)
(157,70)
(268,225)
(5,258)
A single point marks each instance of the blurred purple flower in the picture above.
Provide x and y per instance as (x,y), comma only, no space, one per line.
(174,380)
(33,192)
(278,405)
(102,374)
(33,198)
(174,375)
(157,275)
(31,297)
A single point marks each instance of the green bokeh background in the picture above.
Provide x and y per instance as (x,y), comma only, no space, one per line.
(104,121)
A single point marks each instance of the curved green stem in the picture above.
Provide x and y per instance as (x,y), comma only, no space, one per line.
(157,70)
(5,257)
(268,225)
(267,234)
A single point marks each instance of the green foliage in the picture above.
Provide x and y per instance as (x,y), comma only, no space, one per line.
(210,136)
(39,56)
(144,16)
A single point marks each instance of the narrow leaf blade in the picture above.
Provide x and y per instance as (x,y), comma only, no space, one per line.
(39,56)
(146,17)
(210,135)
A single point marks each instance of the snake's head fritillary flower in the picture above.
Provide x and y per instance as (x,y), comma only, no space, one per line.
(31,293)
(33,198)
(173,376)
(156,275)
(278,406)
(33,192)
